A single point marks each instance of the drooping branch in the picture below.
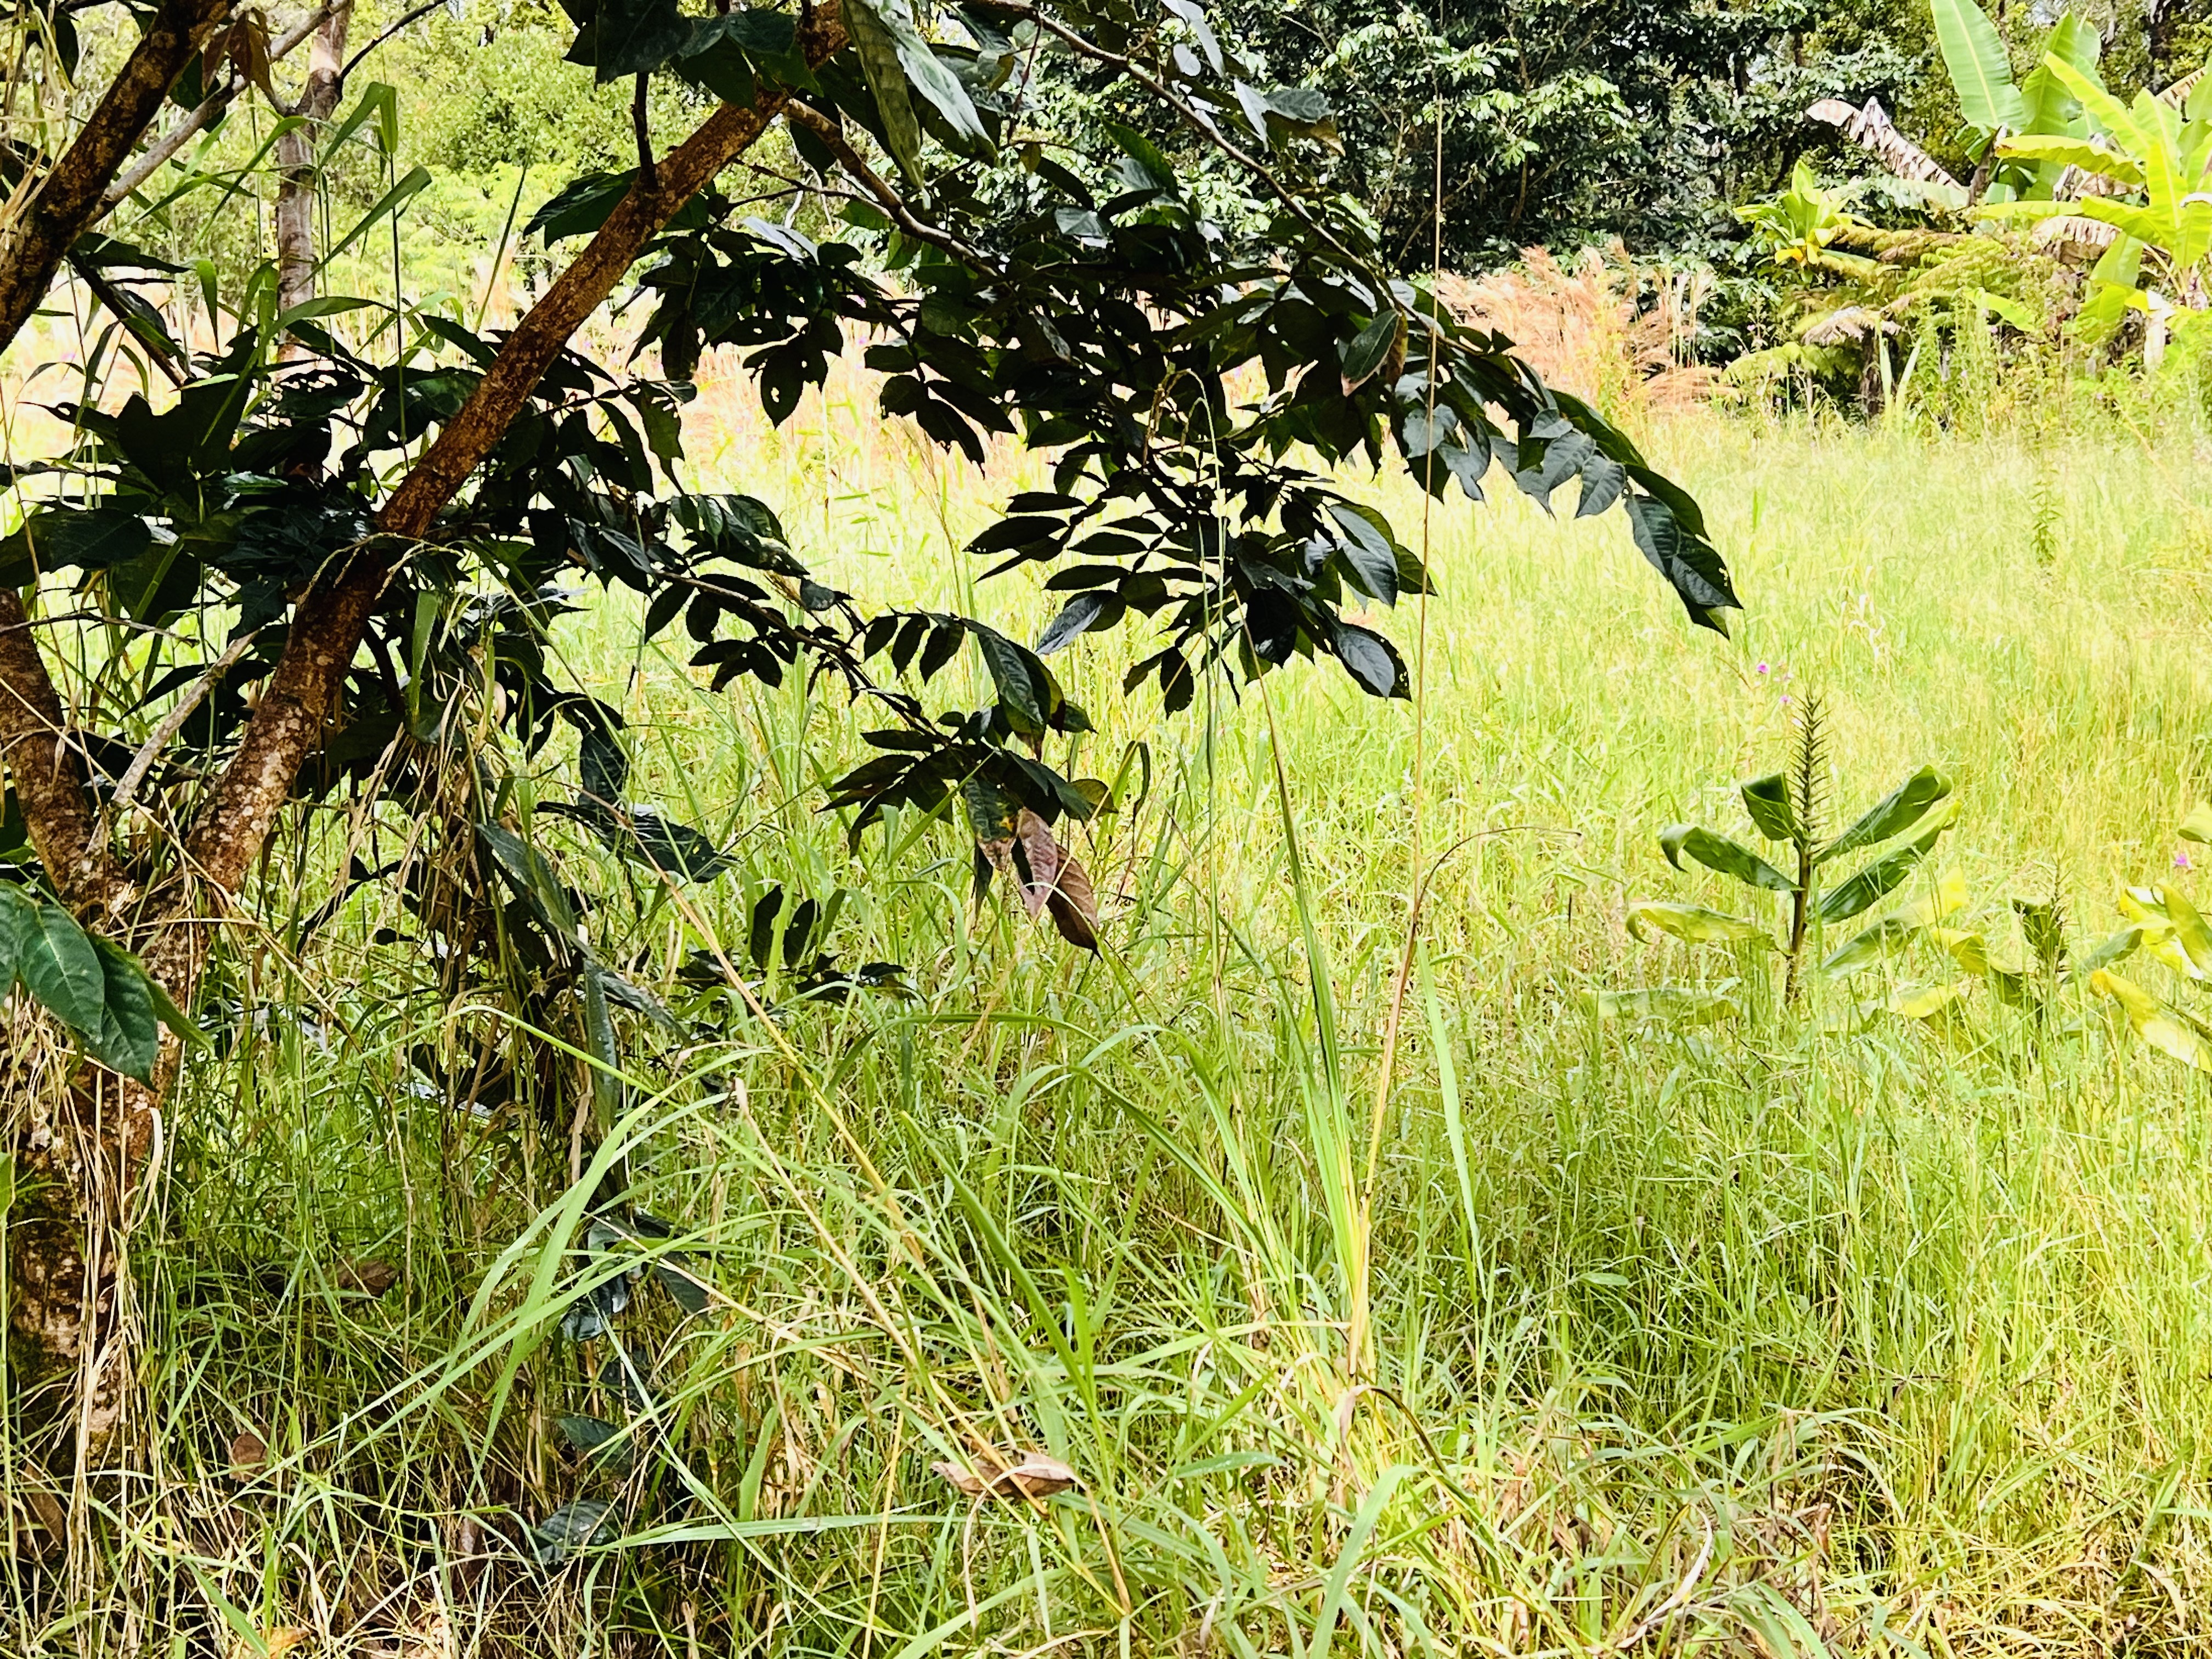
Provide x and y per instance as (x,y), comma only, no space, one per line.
(239,813)
(49,213)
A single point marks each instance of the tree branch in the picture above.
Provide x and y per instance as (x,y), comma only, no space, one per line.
(210,106)
(833,139)
(46,215)
(236,821)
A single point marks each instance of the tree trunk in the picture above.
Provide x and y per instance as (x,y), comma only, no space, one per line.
(97,1150)
(296,170)
(47,214)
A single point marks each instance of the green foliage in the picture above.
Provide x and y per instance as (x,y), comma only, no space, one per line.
(2171,927)
(93,986)
(1568,122)
(2156,158)
(1788,808)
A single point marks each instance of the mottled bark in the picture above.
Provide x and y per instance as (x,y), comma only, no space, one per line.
(296,167)
(95,1148)
(328,623)
(48,212)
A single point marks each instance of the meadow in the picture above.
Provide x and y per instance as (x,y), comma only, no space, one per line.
(1379,1295)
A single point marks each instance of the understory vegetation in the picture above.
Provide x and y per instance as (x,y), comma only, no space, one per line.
(1780,1332)
(1106,827)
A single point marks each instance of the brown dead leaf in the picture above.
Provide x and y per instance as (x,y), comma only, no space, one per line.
(1031,1475)
(1047,876)
(248,1453)
(275,1645)
(46,1510)
(372,1278)
(1074,905)
(469,1558)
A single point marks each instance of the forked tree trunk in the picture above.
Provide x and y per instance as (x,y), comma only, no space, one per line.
(66,1255)
(296,167)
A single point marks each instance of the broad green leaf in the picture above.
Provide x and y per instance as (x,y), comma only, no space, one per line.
(1695,924)
(58,965)
(127,1037)
(1767,800)
(878,44)
(631,37)
(1970,951)
(2153,1021)
(2197,826)
(1875,883)
(2189,929)
(2050,108)
(2021,314)
(1677,1006)
(1718,853)
(2089,154)
(1898,811)
(1373,562)
(1893,932)
(2121,943)
(927,74)
(19,916)
(88,538)
(1921,1004)
(1026,688)
(1890,934)
(2106,113)
(1981,72)
(1369,348)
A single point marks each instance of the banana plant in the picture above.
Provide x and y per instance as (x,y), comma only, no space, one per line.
(2142,178)
(1995,105)
(1788,808)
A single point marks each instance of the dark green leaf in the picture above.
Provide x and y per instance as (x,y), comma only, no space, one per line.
(1082,610)
(602,765)
(1685,558)
(1767,800)
(1897,812)
(1368,551)
(128,1036)
(91,538)
(674,1271)
(1369,348)
(1025,691)
(1875,883)
(630,37)
(568,1530)
(58,964)
(876,41)
(1371,660)
(1718,853)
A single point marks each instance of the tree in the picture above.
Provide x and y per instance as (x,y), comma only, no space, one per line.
(1565,123)
(369,547)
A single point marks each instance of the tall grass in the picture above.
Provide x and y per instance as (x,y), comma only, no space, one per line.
(1763,1338)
